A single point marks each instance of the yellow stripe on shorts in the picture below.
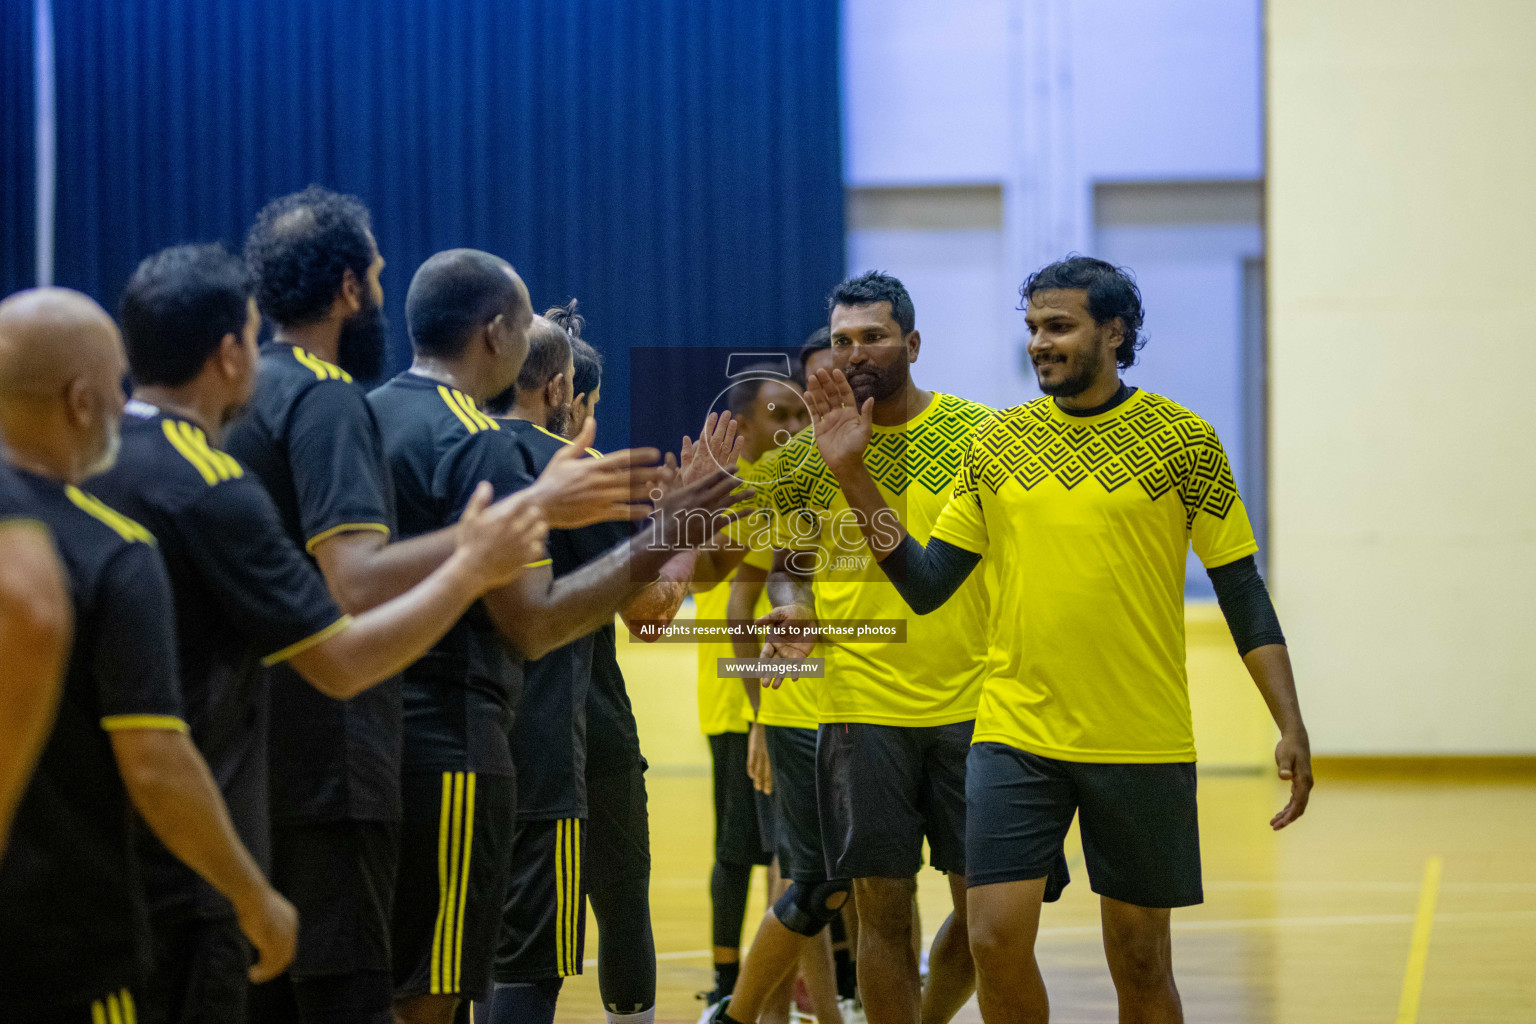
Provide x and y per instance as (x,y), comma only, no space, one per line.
(116,1008)
(455,835)
(567,896)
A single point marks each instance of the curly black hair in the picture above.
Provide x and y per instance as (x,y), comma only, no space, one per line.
(1112,294)
(300,248)
(178,307)
(873,286)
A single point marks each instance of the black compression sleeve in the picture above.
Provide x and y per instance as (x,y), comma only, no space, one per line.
(729,886)
(926,577)
(1246,605)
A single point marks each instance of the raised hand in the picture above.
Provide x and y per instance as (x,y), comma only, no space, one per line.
(718,447)
(499,540)
(782,644)
(843,428)
(577,490)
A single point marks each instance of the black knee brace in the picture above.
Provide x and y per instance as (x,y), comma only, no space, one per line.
(805,909)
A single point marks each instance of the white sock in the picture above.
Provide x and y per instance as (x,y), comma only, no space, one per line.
(643,1017)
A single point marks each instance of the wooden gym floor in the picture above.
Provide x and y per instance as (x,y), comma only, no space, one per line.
(1340,919)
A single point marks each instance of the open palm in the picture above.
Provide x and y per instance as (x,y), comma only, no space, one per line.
(843,427)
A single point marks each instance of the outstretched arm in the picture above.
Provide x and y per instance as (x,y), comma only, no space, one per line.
(538,613)
(364,570)
(925,577)
(718,447)
(494,543)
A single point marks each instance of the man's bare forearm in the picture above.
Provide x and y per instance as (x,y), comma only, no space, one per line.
(870,509)
(1270,668)
(745,590)
(788,588)
(362,570)
(173,791)
(538,614)
(660,599)
(384,640)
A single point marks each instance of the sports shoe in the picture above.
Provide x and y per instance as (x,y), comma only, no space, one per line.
(853,1011)
(714,1005)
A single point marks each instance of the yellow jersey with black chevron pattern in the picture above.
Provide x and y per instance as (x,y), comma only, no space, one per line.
(1087,521)
(723,704)
(934,677)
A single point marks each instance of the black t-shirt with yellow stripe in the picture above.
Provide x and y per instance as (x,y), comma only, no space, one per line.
(245,596)
(461,698)
(73,921)
(549,737)
(310,437)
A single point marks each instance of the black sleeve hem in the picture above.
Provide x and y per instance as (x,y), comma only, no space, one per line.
(926,577)
(1245,604)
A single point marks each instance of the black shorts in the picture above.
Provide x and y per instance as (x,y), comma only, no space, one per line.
(792,753)
(882,788)
(340,875)
(198,975)
(544,923)
(455,858)
(1139,822)
(119,1005)
(738,816)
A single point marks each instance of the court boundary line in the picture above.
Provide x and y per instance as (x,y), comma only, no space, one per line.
(1418,949)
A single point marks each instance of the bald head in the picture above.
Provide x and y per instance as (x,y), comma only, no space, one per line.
(61,373)
(52,336)
(459,292)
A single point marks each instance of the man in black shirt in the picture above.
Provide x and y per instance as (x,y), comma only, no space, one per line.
(72,909)
(310,437)
(34,638)
(469,314)
(245,594)
(544,922)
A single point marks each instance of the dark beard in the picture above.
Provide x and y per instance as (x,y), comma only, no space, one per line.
(559,420)
(887,383)
(364,343)
(1077,381)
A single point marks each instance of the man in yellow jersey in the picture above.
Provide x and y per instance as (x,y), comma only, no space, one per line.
(894,718)
(783,762)
(1085,503)
(769,409)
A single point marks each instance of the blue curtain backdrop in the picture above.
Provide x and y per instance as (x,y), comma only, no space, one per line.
(675,164)
(16,159)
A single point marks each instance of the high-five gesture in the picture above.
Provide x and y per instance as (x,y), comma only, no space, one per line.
(843,428)
(718,447)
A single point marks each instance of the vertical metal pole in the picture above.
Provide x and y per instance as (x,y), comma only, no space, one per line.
(44,136)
